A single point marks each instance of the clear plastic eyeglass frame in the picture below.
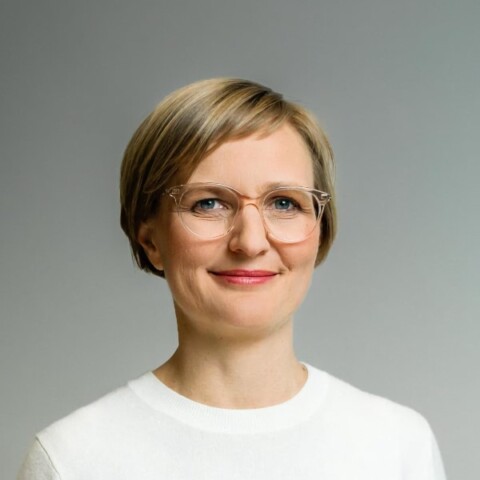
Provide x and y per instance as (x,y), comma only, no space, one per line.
(177,193)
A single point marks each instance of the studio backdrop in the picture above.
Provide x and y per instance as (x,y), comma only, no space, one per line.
(393,310)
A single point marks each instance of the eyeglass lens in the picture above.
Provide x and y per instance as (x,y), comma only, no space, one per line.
(210,211)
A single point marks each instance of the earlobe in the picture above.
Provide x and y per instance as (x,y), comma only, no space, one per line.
(145,238)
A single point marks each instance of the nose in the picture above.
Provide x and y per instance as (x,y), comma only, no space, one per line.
(249,235)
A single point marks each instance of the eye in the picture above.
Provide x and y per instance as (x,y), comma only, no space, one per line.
(284,203)
(210,207)
(208,204)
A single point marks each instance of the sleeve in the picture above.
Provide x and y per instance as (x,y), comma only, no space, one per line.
(37,465)
(436,469)
(421,455)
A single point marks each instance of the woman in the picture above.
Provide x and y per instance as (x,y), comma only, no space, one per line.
(227,193)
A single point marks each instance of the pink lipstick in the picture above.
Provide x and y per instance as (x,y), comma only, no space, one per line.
(245,277)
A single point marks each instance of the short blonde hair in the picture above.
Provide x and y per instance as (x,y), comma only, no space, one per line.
(191,122)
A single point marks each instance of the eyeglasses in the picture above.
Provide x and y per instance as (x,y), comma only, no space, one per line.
(209,210)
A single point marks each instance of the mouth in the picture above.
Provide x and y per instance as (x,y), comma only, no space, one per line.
(245,277)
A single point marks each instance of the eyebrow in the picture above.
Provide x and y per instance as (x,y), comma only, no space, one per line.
(272,185)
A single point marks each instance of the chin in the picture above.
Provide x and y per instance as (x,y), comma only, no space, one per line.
(251,318)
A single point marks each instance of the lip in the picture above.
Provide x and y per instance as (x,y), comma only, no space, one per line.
(245,277)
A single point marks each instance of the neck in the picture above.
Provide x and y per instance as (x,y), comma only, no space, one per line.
(237,375)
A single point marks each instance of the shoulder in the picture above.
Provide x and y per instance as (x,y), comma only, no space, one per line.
(109,417)
(377,430)
(96,431)
(370,405)
(352,409)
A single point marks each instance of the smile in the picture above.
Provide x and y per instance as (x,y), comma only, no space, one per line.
(245,277)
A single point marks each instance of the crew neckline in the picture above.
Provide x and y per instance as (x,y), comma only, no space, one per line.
(293,411)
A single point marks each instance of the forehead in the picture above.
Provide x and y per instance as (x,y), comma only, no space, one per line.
(256,162)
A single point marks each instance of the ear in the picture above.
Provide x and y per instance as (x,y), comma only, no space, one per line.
(149,243)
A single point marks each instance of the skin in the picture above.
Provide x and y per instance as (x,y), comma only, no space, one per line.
(236,341)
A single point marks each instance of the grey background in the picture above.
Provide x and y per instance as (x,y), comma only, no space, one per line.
(395,308)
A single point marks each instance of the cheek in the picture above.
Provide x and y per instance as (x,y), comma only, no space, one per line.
(177,244)
(181,273)
(314,245)
(185,263)
(302,256)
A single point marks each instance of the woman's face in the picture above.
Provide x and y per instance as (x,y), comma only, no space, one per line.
(216,303)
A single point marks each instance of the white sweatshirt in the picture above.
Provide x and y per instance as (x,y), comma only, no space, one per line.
(329,430)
